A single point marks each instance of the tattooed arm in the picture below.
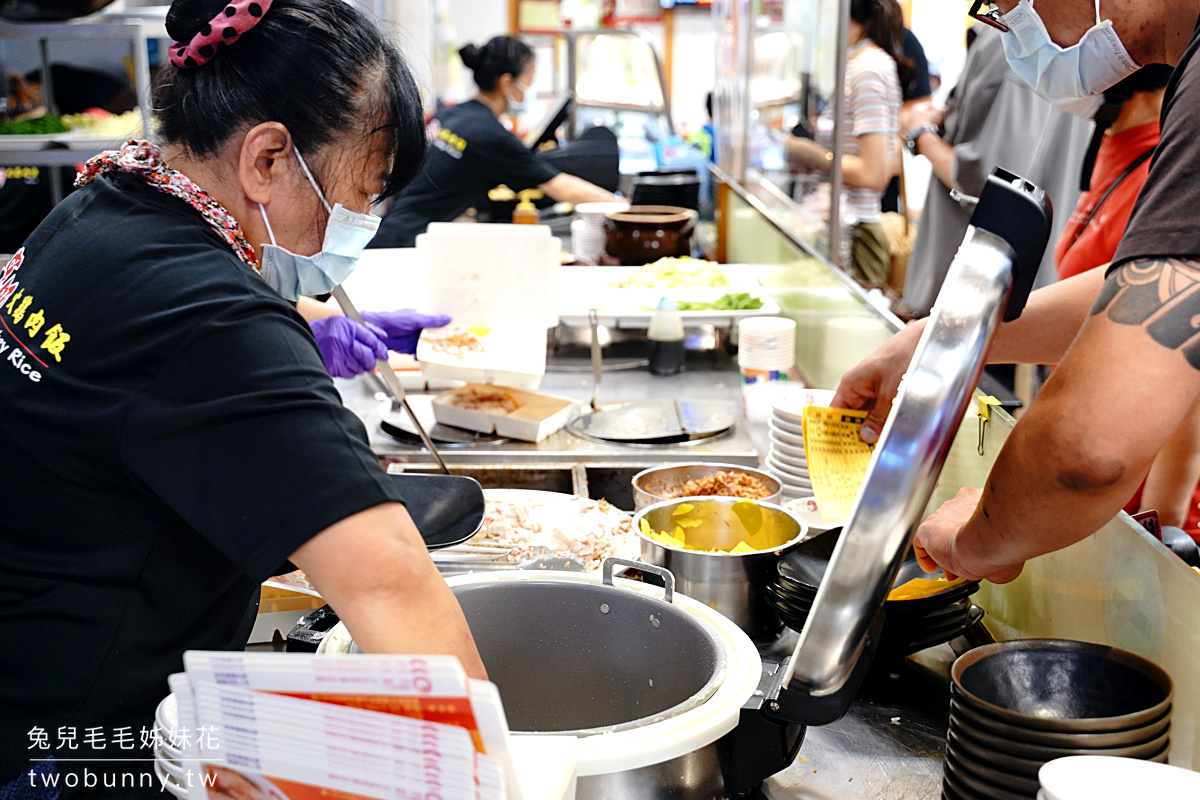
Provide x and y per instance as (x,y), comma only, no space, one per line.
(1085,444)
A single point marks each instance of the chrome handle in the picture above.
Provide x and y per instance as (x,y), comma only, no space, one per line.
(666,574)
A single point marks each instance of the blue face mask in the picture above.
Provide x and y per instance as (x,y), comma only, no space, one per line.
(518,106)
(1098,62)
(346,234)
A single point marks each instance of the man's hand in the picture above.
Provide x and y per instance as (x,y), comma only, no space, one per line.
(872,385)
(937,538)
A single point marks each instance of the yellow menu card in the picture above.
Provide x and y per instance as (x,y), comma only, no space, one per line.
(837,457)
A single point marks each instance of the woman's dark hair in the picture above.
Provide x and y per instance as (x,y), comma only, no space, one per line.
(318,66)
(502,55)
(883,24)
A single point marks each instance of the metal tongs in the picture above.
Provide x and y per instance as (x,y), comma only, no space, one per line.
(390,381)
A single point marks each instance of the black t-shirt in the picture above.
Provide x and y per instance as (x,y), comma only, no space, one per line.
(919,84)
(1163,222)
(470,153)
(170,436)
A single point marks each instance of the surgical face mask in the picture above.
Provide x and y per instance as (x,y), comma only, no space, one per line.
(518,106)
(1096,63)
(346,234)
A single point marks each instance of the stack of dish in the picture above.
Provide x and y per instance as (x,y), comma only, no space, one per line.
(933,614)
(587,232)
(786,460)
(1017,705)
(168,759)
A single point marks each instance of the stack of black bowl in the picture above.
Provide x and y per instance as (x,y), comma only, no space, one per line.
(1017,705)
(669,187)
(909,625)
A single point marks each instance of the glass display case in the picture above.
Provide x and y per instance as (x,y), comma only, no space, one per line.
(778,65)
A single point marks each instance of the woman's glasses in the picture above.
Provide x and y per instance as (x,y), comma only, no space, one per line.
(992,16)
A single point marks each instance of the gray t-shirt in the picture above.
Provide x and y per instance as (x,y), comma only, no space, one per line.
(994,119)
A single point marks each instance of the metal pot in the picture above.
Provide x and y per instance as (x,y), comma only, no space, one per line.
(617,649)
(667,698)
(656,484)
(732,583)
(566,665)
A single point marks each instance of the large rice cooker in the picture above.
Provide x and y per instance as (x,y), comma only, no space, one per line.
(662,692)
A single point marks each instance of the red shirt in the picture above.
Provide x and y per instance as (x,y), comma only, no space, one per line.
(1080,249)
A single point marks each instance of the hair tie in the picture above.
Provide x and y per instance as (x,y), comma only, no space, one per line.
(225,28)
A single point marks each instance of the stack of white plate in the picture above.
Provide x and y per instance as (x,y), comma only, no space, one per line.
(168,759)
(1110,778)
(786,459)
(587,233)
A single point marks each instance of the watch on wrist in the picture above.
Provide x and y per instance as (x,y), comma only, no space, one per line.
(912,137)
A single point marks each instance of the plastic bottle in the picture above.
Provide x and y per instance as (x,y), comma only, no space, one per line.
(666,350)
(526,212)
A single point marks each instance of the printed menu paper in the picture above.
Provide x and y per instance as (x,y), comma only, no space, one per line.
(271,726)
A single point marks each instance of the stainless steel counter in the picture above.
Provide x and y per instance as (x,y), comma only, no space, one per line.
(710,376)
(889,746)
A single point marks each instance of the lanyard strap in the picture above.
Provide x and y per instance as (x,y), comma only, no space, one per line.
(1133,165)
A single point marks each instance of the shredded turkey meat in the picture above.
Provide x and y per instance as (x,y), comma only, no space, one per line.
(723,484)
(590,530)
(457,343)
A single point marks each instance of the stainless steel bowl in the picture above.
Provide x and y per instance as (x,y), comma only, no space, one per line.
(732,583)
(657,484)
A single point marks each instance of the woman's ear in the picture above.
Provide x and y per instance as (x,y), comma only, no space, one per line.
(263,161)
(504,83)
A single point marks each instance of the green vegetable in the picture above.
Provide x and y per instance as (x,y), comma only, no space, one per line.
(37,125)
(741,301)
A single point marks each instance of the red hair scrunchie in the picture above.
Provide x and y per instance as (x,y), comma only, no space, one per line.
(225,28)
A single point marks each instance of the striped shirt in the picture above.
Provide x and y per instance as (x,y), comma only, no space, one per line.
(872,106)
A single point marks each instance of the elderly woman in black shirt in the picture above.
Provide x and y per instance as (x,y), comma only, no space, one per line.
(171,435)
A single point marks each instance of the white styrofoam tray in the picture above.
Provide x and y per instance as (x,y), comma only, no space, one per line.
(581,288)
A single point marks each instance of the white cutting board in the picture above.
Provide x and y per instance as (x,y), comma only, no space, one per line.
(581,288)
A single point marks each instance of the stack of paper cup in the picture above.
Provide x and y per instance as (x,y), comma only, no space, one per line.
(766,348)
(587,232)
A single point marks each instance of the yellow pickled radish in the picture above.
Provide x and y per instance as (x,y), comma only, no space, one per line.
(750,515)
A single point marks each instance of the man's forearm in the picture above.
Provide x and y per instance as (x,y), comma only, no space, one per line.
(1050,322)
(940,156)
(1041,497)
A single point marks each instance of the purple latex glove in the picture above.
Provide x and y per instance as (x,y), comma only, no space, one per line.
(347,347)
(403,327)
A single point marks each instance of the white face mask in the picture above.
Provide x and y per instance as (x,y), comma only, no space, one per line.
(346,234)
(518,106)
(1097,62)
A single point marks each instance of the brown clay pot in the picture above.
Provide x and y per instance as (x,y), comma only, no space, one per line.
(642,234)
